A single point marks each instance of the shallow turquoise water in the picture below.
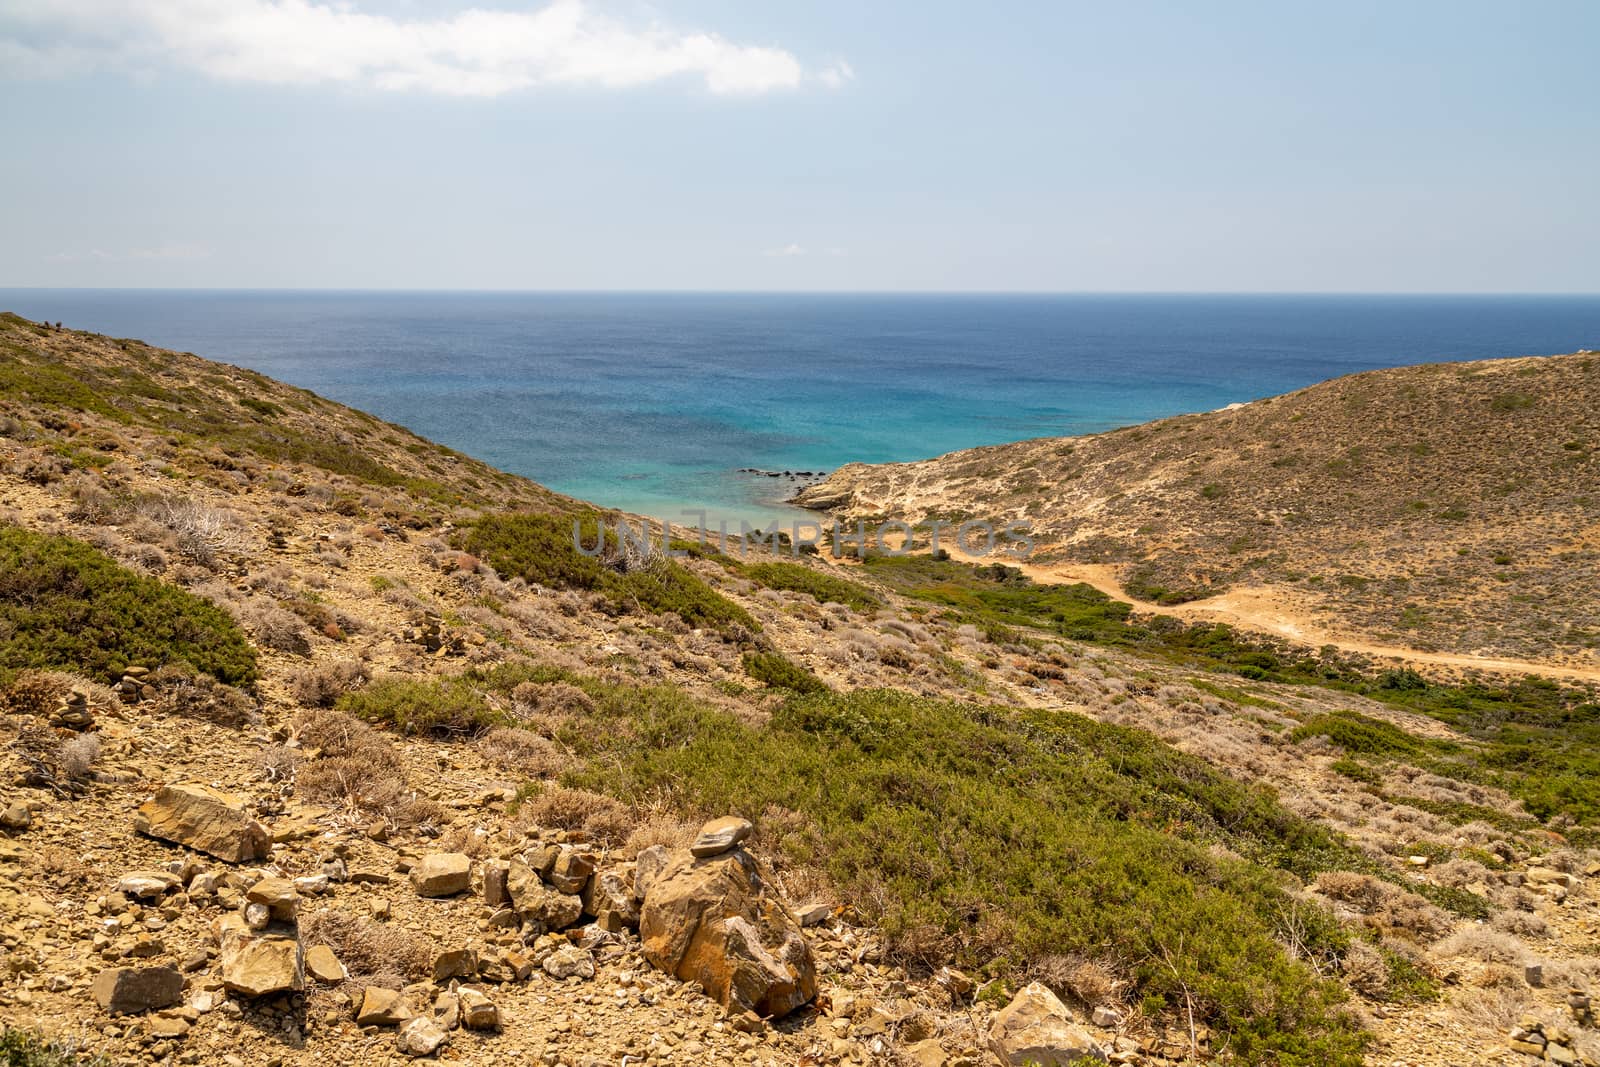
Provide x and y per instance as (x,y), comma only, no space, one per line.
(653,401)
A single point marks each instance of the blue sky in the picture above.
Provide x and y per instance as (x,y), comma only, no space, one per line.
(1411,146)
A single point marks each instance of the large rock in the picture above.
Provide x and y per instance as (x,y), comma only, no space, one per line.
(609,899)
(721,835)
(135,989)
(204,819)
(536,901)
(711,921)
(569,961)
(1036,1030)
(420,1036)
(256,963)
(571,871)
(442,874)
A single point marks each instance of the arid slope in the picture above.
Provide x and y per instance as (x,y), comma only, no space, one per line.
(1450,507)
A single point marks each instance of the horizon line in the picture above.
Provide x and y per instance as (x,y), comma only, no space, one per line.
(467,290)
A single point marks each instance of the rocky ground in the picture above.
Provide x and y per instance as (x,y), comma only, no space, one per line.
(282,922)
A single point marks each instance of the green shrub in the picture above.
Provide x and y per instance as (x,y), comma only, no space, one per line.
(438,706)
(986,835)
(773,669)
(19,1048)
(1357,771)
(824,587)
(540,549)
(66,606)
(1358,734)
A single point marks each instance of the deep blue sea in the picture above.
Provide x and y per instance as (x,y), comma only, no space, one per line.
(651,402)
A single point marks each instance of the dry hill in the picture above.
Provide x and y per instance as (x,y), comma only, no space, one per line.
(1445,506)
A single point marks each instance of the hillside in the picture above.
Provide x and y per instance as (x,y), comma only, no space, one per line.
(461,767)
(1447,507)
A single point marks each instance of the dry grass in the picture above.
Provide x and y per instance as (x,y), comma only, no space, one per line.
(374,953)
(557,808)
(1387,908)
(1089,982)
(1485,945)
(274,627)
(523,751)
(350,763)
(200,696)
(323,684)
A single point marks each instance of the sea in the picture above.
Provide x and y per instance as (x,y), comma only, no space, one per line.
(670,403)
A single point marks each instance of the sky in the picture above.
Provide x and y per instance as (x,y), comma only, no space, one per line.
(873,145)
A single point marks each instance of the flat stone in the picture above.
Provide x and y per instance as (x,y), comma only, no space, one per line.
(125,990)
(382,1007)
(142,885)
(455,963)
(569,962)
(442,874)
(720,835)
(206,820)
(324,966)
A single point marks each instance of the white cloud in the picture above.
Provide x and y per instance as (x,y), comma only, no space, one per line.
(169,251)
(476,52)
(836,74)
(786,251)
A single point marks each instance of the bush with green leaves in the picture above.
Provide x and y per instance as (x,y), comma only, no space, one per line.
(998,838)
(447,706)
(20,1048)
(67,606)
(777,671)
(540,549)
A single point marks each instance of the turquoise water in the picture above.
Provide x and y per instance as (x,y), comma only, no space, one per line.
(652,402)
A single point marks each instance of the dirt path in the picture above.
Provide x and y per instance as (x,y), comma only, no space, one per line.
(1267,609)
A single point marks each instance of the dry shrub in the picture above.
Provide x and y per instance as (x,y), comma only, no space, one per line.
(1497,976)
(183,692)
(275,628)
(353,762)
(1495,1010)
(556,699)
(1362,892)
(559,808)
(1520,924)
(659,828)
(203,532)
(369,949)
(320,686)
(277,763)
(34,693)
(1364,970)
(523,751)
(76,755)
(1485,944)
(1388,908)
(1090,982)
